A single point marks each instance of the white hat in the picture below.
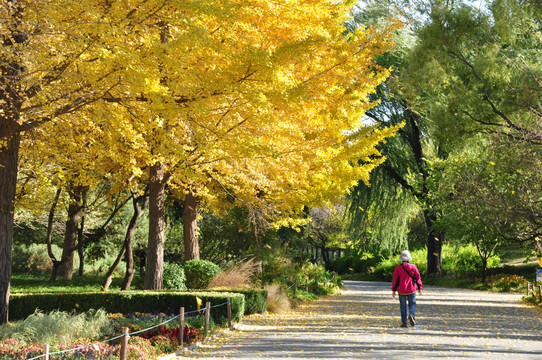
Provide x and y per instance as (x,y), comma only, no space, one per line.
(405,256)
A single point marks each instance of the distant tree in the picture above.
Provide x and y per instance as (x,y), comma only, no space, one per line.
(467,214)
(328,231)
(490,196)
(475,73)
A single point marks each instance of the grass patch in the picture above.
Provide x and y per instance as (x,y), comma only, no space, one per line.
(59,326)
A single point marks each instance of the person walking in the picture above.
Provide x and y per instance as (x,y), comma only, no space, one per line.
(406,281)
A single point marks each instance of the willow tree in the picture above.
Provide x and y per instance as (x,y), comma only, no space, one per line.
(399,189)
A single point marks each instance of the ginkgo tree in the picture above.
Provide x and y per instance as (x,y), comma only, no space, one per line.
(263,99)
(53,62)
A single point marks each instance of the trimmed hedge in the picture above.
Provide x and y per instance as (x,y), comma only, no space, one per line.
(22,305)
(255,299)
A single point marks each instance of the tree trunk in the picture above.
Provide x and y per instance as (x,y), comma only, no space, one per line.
(434,245)
(9,155)
(50,221)
(49,239)
(109,274)
(75,212)
(129,274)
(11,102)
(484,270)
(325,257)
(127,247)
(139,210)
(190,227)
(154,269)
(80,239)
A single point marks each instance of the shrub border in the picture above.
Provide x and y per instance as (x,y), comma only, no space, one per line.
(168,302)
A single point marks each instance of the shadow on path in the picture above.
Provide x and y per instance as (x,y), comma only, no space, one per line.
(363,322)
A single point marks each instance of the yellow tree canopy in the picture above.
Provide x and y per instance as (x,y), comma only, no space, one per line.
(260,99)
(263,99)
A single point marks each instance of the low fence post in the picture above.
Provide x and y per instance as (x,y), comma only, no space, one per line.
(295,287)
(207,316)
(124,343)
(528,287)
(46,351)
(181,329)
(229,312)
(306,284)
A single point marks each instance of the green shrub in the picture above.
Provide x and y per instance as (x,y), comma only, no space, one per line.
(255,299)
(303,295)
(355,263)
(278,270)
(328,282)
(311,270)
(531,300)
(528,271)
(174,277)
(384,270)
(33,259)
(507,283)
(464,260)
(198,322)
(199,273)
(100,267)
(419,258)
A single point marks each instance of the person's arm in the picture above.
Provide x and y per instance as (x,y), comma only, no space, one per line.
(394,282)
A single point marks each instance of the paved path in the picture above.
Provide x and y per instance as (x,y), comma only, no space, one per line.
(363,322)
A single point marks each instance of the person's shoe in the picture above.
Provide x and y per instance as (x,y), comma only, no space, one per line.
(411,320)
(403,325)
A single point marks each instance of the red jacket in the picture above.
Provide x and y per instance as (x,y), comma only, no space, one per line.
(402,279)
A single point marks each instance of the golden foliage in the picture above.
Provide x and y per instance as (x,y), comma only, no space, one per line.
(259,100)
